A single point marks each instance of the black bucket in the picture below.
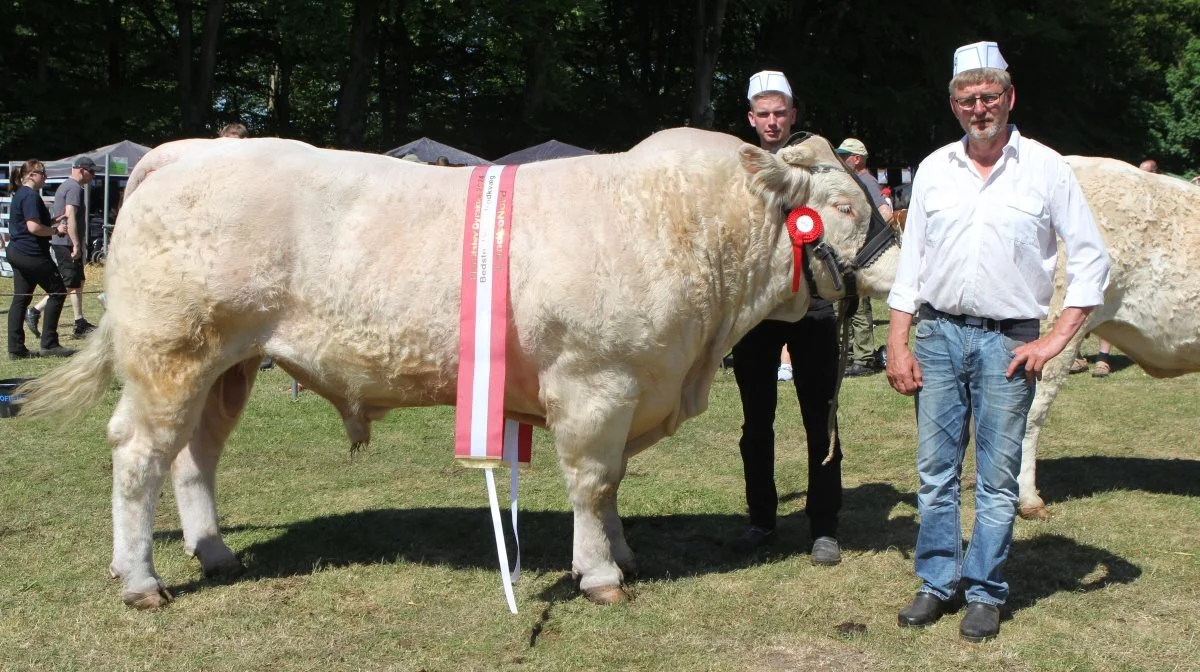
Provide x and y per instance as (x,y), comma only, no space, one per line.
(10,404)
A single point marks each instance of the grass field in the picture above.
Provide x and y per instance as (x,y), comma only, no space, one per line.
(384,559)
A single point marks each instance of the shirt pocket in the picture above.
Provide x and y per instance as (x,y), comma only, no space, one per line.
(1021,220)
(941,211)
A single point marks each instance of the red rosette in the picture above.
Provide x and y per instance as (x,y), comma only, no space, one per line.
(804,225)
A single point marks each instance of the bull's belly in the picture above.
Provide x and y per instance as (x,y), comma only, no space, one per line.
(1160,353)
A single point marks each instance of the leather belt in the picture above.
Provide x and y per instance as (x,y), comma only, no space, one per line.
(1022,329)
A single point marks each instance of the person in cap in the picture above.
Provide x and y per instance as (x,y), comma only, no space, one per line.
(978,264)
(813,343)
(862,327)
(68,249)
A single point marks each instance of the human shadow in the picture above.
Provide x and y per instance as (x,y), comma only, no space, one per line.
(1064,478)
(1047,564)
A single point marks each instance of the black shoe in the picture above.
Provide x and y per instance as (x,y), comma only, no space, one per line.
(23,354)
(32,316)
(855,370)
(982,623)
(753,538)
(57,351)
(82,328)
(923,611)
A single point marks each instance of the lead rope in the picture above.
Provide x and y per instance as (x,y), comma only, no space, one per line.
(843,327)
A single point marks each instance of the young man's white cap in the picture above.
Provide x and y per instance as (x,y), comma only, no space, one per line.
(768,81)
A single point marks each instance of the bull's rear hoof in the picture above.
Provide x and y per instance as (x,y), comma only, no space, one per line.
(148,600)
(607,595)
(1039,512)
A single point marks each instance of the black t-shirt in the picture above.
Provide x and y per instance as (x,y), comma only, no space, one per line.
(27,205)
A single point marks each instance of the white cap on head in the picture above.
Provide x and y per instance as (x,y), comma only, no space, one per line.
(768,81)
(978,55)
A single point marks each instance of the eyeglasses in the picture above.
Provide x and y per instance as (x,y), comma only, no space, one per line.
(989,100)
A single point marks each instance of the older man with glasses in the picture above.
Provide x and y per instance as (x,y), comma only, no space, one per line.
(978,264)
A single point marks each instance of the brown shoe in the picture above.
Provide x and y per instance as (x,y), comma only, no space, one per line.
(1079,365)
(1101,370)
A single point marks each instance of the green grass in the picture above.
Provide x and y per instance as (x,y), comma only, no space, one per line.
(384,559)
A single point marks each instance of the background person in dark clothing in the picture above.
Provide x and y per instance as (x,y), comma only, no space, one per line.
(30,227)
(813,344)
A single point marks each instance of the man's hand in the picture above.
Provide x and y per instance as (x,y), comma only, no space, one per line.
(1034,355)
(76,253)
(903,371)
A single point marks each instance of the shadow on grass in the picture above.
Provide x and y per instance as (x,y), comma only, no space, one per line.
(1040,567)
(1073,477)
(667,546)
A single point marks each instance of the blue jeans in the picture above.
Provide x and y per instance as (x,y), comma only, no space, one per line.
(963,368)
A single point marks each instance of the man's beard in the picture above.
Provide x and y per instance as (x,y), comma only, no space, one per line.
(991,132)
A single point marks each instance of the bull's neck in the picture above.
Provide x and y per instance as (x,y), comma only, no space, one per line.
(751,261)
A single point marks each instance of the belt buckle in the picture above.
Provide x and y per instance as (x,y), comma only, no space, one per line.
(972,321)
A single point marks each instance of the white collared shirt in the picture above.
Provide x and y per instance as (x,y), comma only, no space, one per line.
(987,248)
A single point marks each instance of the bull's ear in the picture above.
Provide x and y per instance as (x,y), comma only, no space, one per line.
(798,155)
(755,159)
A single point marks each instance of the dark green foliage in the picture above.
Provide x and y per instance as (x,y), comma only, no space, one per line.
(1105,77)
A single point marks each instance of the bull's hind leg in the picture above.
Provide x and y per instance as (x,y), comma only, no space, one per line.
(590,429)
(194,472)
(147,431)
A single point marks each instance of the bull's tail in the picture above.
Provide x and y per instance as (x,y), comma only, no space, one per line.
(76,385)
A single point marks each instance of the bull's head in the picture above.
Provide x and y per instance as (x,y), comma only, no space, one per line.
(809,173)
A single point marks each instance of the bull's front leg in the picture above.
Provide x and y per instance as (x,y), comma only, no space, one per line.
(1029,504)
(590,436)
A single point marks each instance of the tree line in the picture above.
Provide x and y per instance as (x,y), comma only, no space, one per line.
(1114,78)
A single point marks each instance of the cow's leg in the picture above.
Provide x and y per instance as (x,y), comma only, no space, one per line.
(147,431)
(1054,375)
(194,472)
(590,432)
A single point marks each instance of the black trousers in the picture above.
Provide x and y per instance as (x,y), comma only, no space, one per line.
(812,343)
(29,273)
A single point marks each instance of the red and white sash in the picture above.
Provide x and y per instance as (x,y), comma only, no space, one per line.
(483,437)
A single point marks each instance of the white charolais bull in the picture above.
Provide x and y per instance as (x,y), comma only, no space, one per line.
(631,276)
(1149,223)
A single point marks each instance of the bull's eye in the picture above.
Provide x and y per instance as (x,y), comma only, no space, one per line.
(844,208)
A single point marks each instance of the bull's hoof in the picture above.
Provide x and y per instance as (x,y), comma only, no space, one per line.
(607,594)
(1034,512)
(147,600)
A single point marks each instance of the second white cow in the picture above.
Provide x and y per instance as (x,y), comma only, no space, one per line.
(1149,222)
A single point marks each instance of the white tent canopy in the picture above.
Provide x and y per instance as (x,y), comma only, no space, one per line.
(121,157)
